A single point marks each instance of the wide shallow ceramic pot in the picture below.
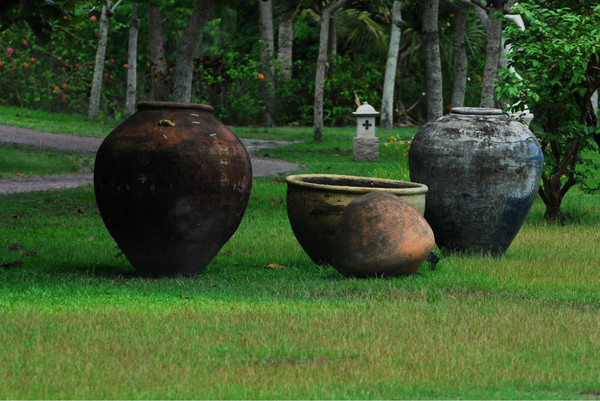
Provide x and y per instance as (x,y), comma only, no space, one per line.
(172,184)
(483,172)
(381,235)
(315,203)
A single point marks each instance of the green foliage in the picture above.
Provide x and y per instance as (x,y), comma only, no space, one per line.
(557,58)
(56,75)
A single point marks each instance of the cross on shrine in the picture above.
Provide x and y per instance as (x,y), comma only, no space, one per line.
(367,124)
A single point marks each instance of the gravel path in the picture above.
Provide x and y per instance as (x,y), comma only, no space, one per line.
(261,166)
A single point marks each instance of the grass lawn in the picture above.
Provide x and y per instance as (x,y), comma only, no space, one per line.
(78,323)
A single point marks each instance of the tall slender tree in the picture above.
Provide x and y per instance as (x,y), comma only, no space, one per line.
(326,13)
(184,55)
(267,46)
(389,82)
(160,91)
(285,42)
(460,55)
(493,51)
(433,62)
(134,27)
(108,9)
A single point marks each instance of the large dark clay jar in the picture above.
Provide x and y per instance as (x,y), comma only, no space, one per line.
(172,184)
(483,172)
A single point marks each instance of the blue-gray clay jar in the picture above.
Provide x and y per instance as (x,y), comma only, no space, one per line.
(483,172)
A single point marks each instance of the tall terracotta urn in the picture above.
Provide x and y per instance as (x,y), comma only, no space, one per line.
(483,172)
(172,184)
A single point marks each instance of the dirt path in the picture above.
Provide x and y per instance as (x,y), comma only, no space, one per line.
(261,166)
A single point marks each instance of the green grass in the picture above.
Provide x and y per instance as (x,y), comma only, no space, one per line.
(22,161)
(77,322)
(60,123)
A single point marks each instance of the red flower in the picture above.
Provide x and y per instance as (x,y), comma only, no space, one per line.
(112,60)
(10,50)
(32,59)
(25,43)
(106,75)
(56,88)
(449,106)
(261,76)
(93,18)
(26,65)
(64,86)
(0,63)
(126,65)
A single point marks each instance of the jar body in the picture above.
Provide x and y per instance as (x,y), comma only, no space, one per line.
(483,172)
(172,184)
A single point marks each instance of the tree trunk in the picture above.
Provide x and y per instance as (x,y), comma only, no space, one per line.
(160,92)
(332,40)
(493,54)
(389,82)
(184,55)
(321,66)
(267,44)
(460,56)
(134,27)
(94,106)
(433,63)
(492,51)
(285,41)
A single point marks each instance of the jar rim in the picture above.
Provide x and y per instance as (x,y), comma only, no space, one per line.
(174,105)
(480,111)
(355,184)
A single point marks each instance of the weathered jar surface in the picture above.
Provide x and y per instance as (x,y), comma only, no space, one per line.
(315,203)
(483,172)
(381,235)
(172,184)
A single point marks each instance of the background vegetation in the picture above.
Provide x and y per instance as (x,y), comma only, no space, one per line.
(55,74)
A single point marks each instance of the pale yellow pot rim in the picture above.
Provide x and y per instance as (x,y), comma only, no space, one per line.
(379,184)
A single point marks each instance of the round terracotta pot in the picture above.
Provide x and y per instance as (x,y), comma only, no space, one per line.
(172,184)
(315,203)
(381,235)
(483,171)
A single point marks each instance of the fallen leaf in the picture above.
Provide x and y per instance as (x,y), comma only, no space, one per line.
(118,255)
(15,247)
(22,254)
(275,204)
(79,209)
(11,265)
(185,296)
(278,181)
(228,253)
(17,216)
(247,254)
(341,149)
(89,239)
(275,266)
